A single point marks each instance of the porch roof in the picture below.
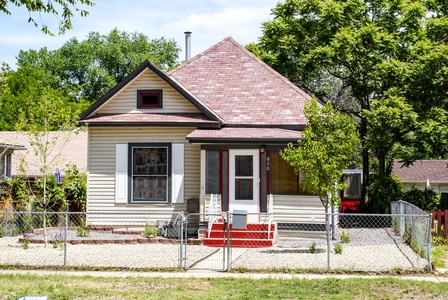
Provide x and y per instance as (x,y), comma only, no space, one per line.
(244,134)
(165,119)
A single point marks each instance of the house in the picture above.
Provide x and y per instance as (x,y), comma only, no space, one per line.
(7,149)
(64,148)
(423,174)
(160,142)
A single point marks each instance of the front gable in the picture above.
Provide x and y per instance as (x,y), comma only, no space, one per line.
(174,103)
(126,100)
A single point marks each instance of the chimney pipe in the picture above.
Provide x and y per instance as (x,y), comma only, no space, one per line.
(187,45)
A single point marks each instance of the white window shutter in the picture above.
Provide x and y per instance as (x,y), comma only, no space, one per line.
(177,174)
(121,173)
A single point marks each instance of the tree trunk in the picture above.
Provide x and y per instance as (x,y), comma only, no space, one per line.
(365,164)
(328,233)
(382,164)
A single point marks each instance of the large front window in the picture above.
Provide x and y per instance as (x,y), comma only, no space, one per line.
(283,179)
(150,173)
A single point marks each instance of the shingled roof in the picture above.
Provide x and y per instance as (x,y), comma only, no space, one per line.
(240,88)
(231,88)
(421,170)
(69,148)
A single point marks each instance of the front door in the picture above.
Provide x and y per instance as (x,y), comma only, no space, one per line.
(244,180)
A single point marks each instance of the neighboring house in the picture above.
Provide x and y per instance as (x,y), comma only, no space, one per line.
(68,148)
(7,149)
(213,125)
(423,174)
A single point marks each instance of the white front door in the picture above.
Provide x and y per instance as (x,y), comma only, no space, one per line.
(244,180)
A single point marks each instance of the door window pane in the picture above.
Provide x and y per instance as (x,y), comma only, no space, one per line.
(244,165)
(212,172)
(243,189)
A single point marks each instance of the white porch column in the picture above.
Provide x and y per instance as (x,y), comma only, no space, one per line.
(202,189)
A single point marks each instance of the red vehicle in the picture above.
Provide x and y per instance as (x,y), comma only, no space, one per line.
(351,196)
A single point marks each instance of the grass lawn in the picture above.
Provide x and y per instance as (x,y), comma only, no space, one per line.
(440,257)
(74,287)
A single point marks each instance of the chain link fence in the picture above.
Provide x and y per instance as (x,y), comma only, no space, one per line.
(413,225)
(350,242)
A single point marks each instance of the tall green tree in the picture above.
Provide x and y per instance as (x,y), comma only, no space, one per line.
(24,92)
(62,9)
(356,52)
(90,68)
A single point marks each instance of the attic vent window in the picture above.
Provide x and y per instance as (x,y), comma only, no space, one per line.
(149,99)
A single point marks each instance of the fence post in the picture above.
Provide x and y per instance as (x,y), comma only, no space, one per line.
(428,240)
(65,237)
(181,239)
(327,221)
(229,255)
(400,218)
(445,216)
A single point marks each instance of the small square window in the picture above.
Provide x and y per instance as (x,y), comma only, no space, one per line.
(149,99)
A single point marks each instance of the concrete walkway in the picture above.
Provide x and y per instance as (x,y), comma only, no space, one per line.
(216,274)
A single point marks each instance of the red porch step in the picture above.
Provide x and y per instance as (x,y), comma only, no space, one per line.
(254,236)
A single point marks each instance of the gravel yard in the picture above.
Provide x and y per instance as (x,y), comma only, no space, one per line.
(368,250)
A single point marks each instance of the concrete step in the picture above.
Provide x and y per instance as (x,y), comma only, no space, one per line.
(238,243)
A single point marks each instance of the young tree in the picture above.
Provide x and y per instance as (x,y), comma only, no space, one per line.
(62,9)
(328,145)
(48,113)
(354,52)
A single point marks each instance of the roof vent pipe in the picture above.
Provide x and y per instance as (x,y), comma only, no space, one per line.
(187,45)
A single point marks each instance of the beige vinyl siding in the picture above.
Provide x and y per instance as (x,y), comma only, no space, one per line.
(310,206)
(101,191)
(125,101)
(292,206)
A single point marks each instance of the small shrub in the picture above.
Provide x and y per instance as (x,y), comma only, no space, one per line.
(426,199)
(58,241)
(83,229)
(26,244)
(439,241)
(313,248)
(395,226)
(338,248)
(150,231)
(2,232)
(345,237)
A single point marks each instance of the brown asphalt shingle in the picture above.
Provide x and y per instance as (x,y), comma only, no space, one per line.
(420,170)
(241,88)
(68,148)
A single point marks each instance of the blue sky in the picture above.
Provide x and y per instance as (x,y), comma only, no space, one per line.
(210,21)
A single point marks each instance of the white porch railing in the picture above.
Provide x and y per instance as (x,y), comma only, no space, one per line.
(213,211)
(270,213)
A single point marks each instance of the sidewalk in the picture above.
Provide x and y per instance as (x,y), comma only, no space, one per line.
(218,274)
